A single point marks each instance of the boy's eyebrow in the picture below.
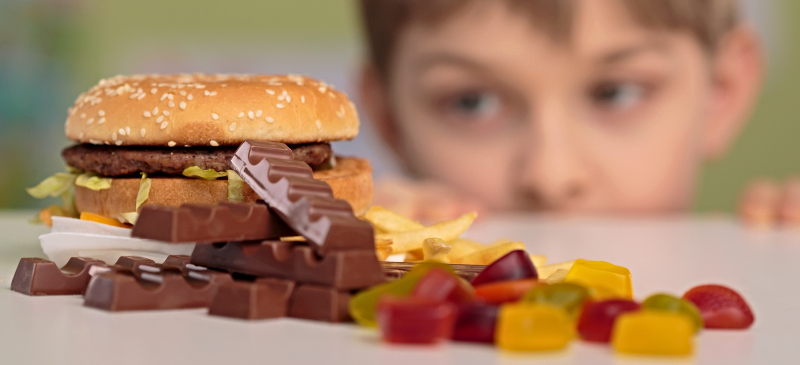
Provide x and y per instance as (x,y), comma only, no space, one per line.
(628,52)
(445,57)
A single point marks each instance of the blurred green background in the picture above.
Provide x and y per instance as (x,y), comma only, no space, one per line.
(51,50)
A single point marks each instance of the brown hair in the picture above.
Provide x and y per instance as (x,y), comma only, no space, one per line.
(707,20)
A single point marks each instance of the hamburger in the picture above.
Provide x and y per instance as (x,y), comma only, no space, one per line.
(169,139)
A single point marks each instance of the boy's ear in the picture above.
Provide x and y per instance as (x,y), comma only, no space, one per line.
(738,72)
(374,96)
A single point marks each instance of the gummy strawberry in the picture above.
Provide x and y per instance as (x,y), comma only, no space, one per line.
(596,321)
(513,266)
(721,307)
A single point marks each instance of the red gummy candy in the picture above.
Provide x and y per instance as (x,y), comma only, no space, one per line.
(514,265)
(505,291)
(440,285)
(597,318)
(415,320)
(475,322)
(721,307)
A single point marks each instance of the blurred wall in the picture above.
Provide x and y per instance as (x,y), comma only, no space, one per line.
(51,50)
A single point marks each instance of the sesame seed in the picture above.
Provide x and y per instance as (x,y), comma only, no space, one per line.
(101,113)
(80,135)
(241,115)
(118,143)
(270,119)
(212,93)
(94,141)
(170,96)
(83,115)
(171,104)
(214,143)
(155,111)
(164,125)
(142,132)
(153,90)
(166,112)
(271,92)
(128,130)
(233,127)
(206,93)
(288,99)
(214,116)
(332,95)
(319,124)
(224,85)
(322,89)
(281,97)
(147,114)
(280,106)
(114,136)
(171,144)
(190,97)
(90,121)
(251,115)
(258,113)
(183,92)
(182,105)
(101,121)
(121,132)
(160,119)
(303,99)
(141,96)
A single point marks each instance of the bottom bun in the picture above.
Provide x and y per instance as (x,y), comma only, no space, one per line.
(350,180)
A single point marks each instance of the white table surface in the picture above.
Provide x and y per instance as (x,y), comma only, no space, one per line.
(669,255)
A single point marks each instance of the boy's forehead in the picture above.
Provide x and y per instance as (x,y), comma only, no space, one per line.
(598,30)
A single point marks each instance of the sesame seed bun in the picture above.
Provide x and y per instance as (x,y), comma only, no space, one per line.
(210,110)
(351,180)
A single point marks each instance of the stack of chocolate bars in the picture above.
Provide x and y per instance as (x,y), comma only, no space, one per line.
(240,266)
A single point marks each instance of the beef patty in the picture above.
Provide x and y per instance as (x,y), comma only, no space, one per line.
(131,160)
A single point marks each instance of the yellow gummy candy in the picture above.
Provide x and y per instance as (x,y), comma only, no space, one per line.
(653,333)
(607,280)
(526,327)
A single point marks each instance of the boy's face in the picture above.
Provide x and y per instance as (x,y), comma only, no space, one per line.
(611,120)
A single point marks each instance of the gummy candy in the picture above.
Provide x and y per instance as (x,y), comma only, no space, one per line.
(475,322)
(597,318)
(500,292)
(514,265)
(537,327)
(415,320)
(669,303)
(568,296)
(441,285)
(653,333)
(721,307)
(608,280)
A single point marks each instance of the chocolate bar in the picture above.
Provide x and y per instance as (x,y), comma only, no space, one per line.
(261,299)
(199,223)
(135,284)
(275,298)
(35,276)
(342,270)
(305,204)
(396,270)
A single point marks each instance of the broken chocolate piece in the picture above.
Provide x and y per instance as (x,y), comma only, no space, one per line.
(35,276)
(341,270)
(305,204)
(261,299)
(319,303)
(228,221)
(140,285)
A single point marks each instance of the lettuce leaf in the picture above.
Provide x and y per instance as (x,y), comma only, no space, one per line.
(56,185)
(130,217)
(93,182)
(210,174)
(235,187)
(144,191)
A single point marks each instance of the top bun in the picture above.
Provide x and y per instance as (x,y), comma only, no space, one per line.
(210,110)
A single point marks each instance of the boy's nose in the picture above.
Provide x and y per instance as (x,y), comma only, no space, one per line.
(552,174)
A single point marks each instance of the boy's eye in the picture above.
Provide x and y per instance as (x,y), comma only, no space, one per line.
(476,104)
(618,95)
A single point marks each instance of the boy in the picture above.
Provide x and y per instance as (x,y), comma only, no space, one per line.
(570,106)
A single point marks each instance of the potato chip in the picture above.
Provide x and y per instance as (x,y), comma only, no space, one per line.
(435,249)
(448,230)
(387,221)
(490,254)
(546,271)
(538,260)
(557,277)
